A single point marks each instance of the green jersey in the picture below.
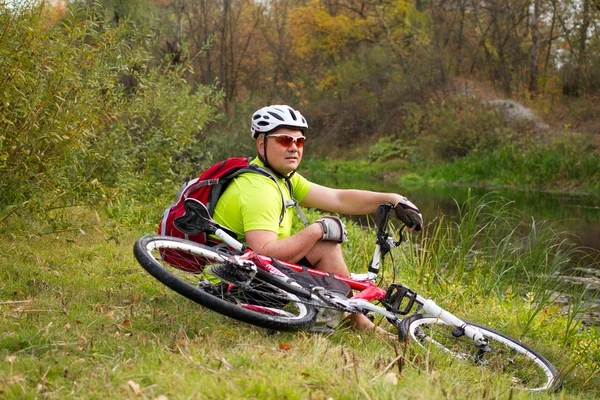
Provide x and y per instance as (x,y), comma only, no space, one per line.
(253,202)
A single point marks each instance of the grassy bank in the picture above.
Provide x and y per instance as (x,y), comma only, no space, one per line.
(560,168)
(80,318)
(571,163)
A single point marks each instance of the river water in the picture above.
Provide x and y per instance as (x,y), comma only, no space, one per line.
(577,214)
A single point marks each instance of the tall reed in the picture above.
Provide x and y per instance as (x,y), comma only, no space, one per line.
(492,259)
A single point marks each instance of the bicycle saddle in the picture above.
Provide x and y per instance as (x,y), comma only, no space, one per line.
(196,219)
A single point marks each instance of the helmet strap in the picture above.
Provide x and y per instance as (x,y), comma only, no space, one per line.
(265,161)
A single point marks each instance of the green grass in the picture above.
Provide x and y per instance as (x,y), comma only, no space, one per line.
(80,319)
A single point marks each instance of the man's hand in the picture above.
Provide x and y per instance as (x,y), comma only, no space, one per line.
(409,214)
(333,229)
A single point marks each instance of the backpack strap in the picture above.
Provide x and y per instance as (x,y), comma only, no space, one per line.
(256,169)
(286,203)
(288,182)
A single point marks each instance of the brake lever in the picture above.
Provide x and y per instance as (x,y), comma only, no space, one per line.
(400,236)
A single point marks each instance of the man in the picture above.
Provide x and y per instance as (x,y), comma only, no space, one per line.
(252,204)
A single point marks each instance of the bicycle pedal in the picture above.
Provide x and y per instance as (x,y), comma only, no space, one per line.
(396,295)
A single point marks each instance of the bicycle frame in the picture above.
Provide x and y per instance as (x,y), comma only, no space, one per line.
(363,283)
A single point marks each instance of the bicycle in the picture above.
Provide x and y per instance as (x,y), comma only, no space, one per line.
(233,280)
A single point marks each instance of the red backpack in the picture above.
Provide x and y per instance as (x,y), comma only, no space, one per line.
(208,188)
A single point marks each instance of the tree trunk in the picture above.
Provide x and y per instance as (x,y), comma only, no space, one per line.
(460,38)
(533,51)
(436,38)
(582,48)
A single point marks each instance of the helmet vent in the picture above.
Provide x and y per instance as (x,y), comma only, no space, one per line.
(263,123)
(275,115)
(292,114)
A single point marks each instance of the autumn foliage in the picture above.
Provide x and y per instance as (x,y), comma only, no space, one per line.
(96,87)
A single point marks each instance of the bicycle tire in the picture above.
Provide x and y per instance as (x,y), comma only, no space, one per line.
(263,301)
(528,369)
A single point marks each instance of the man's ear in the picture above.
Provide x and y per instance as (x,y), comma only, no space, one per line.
(260,145)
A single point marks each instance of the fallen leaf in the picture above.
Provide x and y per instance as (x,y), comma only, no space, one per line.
(136,298)
(67,326)
(11,359)
(125,325)
(110,314)
(15,379)
(135,387)
(285,346)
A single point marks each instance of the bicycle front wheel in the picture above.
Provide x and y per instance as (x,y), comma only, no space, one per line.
(526,368)
(185,266)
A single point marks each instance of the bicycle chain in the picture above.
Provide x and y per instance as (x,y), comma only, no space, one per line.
(325,304)
(297,300)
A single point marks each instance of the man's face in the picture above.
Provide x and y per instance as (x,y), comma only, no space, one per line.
(283,159)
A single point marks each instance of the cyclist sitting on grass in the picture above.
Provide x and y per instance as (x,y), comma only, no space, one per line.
(252,206)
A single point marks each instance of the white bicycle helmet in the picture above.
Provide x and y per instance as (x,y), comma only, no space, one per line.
(267,119)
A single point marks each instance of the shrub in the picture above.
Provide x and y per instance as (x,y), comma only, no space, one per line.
(442,132)
(86,110)
(454,129)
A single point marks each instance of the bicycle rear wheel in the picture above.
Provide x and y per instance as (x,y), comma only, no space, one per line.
(260,301)
(526,368)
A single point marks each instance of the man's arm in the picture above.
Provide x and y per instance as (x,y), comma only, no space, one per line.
(347,201)
(290,249)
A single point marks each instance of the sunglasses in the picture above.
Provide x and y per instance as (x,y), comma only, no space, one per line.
(287,140)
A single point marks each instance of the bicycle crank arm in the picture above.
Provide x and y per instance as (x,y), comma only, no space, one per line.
(365,306)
